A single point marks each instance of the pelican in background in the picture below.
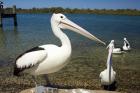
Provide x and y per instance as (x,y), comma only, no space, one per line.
(126,45)
(108,75)
(115,50)
(51,58)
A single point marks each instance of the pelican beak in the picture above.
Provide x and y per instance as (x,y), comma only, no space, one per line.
(67,24)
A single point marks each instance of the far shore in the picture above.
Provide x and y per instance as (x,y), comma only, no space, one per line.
(132,12)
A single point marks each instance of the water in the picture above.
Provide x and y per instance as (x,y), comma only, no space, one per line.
(35,29)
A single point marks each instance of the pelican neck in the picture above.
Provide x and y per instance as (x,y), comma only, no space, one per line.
(62,36)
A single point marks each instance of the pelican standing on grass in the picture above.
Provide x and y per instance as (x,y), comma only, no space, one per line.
(115,50)
(126,45)
(108,75)
(50,58)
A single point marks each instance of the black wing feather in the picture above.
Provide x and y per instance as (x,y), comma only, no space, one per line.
(18,70)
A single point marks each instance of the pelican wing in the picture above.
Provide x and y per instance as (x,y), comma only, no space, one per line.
(29,59)
(100,76)
(127,42)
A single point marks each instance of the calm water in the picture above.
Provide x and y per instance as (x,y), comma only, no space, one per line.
(35,29)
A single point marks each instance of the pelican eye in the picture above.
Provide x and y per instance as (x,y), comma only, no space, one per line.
(61,16)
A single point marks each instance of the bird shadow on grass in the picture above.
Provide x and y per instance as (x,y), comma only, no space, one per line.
(111,87)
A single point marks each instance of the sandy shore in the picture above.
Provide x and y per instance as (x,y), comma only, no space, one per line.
(82,72)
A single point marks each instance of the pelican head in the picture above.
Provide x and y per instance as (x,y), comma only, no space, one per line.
(112,41)
(124,38)
(111,44)
(63,22)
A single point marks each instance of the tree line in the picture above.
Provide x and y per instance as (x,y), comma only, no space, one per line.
(76,10)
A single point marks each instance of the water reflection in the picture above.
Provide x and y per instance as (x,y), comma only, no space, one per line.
(8,41)
(2,37)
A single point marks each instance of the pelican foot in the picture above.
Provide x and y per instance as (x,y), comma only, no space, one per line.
(39,89)
(51,90)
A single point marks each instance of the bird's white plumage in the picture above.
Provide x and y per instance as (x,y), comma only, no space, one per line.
(126,45)
(104,75)
(56,59)
(53,57)
(50,58)
(108,75)
(31,58)
(115,50)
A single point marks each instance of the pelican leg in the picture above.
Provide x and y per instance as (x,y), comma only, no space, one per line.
(34,78)
(49,87)
(48,84)
(108,87)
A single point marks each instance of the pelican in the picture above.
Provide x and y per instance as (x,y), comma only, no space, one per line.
(108,75)
(126,45)
(51,58)
(115,50)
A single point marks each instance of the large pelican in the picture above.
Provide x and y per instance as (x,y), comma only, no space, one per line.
(126,45)
(115,50)
(108,75)
(51,58)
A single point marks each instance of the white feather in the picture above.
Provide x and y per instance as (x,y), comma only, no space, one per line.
(31,58)
(108,75)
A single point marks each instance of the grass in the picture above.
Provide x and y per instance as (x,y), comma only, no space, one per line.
(82,72)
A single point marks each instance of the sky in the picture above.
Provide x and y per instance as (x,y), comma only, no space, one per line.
(92,4)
